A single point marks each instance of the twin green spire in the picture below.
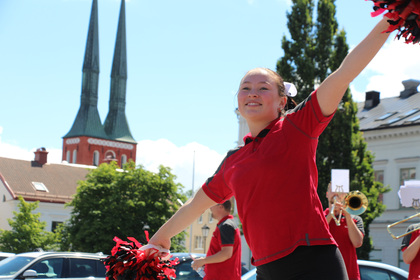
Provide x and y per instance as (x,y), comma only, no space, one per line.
(88,122)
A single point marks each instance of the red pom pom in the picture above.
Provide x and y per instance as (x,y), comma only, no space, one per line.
(127,262)
(403,16)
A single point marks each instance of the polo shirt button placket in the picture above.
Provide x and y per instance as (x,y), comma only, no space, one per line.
(255,144)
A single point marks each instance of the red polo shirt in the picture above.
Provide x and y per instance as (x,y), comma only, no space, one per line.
(225,234)
(414,270)
(348,251)
(274,180)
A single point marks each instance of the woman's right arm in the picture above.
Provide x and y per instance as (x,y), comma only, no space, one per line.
(411,251)
(184,217)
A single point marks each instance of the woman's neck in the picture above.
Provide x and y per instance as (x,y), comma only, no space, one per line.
(256,127)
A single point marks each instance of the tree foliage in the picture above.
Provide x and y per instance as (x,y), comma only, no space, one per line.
(314,51)
(28,232)
(111,202)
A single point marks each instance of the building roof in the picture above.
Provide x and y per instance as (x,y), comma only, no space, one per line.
(393,112)
(22,177)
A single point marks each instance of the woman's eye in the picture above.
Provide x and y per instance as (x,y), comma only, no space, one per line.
(263,88)
(245,88)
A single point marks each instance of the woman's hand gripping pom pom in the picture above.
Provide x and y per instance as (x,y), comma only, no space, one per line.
(132,261)
(403,16)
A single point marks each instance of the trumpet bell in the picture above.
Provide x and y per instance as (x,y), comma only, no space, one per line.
(356,203)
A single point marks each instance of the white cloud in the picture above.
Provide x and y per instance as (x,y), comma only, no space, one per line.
(395,62)
(151,154)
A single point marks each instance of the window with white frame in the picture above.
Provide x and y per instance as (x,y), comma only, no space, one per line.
(199,244)
(379,177)
(200,219)
(68,156)
(210,217)
(407,174)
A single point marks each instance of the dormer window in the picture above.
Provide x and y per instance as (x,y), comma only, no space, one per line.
(39,186)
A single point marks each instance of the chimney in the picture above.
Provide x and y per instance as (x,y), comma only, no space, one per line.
(41,156)
(410,88)
(372,99)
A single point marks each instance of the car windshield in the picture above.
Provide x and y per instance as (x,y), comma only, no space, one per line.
(12,265)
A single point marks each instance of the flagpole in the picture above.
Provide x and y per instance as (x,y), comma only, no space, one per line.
(192,193)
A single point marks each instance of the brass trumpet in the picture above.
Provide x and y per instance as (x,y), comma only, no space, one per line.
(355,203)
(399,222)
(415,205)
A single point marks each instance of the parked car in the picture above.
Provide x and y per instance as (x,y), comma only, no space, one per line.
(368,271)
(183,269)
(58,265)
(375,270)
(4,255)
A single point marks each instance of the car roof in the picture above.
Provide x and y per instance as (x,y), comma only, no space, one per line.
(41,254)
(382,265)
(186,256)
(6,254)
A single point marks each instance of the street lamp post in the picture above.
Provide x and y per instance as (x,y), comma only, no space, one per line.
(205,231)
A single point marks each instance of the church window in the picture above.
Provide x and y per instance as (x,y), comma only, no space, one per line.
(74,156)
(95,158)
(123,160)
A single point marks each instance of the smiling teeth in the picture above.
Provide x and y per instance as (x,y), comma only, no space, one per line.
(253,103)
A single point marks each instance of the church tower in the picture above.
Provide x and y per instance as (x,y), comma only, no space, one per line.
(90,142)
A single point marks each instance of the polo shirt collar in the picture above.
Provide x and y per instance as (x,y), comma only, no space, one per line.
(248,138)
(224,219)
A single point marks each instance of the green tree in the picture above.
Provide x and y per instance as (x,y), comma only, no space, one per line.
(28,232)
(111,202)
(314,51)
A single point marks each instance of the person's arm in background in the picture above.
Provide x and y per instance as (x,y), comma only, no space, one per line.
(412,249)
(355,235)
(224,254)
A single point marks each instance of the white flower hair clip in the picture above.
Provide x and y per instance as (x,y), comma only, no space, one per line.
(290,89)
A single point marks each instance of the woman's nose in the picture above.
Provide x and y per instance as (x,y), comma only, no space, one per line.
(252,93)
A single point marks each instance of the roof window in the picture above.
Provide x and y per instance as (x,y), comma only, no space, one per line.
(384,117)
(411,112)
(39,186)
(413,119)
(394,120)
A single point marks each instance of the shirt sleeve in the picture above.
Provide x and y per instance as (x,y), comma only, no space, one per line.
(359,223)
(227,234)
(215,186)
(308,118)
(406,240)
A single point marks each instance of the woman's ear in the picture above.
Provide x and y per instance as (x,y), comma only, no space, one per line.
(283,102)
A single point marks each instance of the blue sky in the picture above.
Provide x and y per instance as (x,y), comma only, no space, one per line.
(185,61)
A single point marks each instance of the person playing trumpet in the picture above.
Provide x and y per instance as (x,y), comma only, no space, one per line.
(348,232)
(410,247)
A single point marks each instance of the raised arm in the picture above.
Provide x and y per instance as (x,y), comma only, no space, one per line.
(334,86)
(184,217)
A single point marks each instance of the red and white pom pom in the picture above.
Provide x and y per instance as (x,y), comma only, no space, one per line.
(132,261)
(403,16)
